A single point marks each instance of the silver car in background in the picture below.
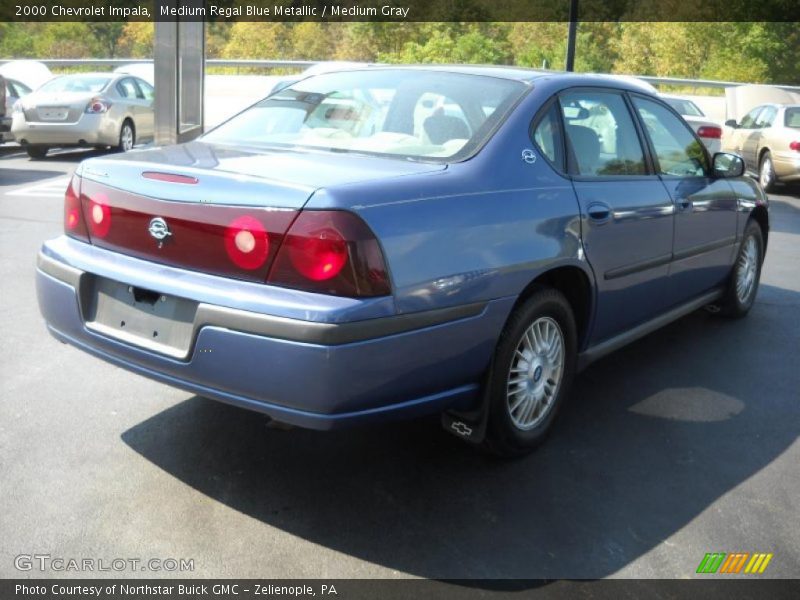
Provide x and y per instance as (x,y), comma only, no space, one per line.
(89,109)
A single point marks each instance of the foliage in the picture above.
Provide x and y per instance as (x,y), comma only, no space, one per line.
(734,51)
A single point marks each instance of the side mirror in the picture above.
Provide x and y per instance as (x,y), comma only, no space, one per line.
(731,123)
(728,165)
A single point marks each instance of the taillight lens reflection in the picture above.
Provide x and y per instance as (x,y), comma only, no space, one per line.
(99,216)
(247,243)
(794,146)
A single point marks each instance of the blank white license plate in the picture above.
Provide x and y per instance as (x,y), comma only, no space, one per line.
(53,114)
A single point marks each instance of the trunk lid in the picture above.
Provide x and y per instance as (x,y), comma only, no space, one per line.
(187,205)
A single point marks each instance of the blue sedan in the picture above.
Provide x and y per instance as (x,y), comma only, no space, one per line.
(391,242)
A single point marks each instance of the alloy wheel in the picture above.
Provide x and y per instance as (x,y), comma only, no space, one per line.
(535,374)
(747,269)
(126,138)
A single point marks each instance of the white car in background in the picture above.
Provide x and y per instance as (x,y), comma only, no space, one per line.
(706,129)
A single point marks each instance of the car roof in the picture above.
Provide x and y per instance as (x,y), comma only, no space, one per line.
(526,75)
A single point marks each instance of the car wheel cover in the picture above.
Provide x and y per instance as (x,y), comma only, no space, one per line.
(766,172)
(535,374)
(746,270)
(126,137)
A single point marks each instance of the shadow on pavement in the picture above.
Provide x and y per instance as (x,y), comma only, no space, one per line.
(639,452)
(10,177)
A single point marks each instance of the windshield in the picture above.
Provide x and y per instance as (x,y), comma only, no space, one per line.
(793,117)
(685,107)
(76,83)
(406,113)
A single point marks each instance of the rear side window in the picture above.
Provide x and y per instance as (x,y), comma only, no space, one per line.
(601,133)
(548,139)
(678,151)
(127,88)
(792,118)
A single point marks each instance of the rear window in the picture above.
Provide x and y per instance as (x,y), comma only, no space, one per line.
(793,117)
(684,107)
(76,83)
(431,115)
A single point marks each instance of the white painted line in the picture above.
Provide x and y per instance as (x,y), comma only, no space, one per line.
(50,189)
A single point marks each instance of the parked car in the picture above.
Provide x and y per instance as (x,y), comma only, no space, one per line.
(31,73)
(325,267)
(5,121)
(768,139)
(88,109)
(14,90)
(708,131)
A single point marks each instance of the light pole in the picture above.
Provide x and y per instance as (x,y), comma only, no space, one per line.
(573,30)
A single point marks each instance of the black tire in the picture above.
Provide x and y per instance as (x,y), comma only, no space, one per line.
(504,436)
(766,173)
(734,304)
(37,152)
(126,143)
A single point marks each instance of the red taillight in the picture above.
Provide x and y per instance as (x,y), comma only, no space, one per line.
(99,215)
(794,146)
(98,106)
(74,225)
(709,131)
(247,243)
(331,252)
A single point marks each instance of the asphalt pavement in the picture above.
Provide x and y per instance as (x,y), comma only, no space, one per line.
(683,443)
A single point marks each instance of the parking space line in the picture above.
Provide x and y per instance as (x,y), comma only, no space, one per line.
(50,189)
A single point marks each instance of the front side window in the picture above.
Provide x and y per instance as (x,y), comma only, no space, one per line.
(678,151)
(749,120)
(602,134)
(395,112)
(766,117)
(148,93)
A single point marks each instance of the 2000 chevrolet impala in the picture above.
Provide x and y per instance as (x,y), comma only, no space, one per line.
(392,242)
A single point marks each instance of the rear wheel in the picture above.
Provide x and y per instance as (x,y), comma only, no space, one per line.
(37,152)
(127,137)
(746,273)
(532,371)
(766,173)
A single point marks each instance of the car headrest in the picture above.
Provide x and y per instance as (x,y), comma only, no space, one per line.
(586,144)
(442,128)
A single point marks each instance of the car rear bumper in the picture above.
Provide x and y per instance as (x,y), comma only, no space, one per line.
(88,130)
(330,369)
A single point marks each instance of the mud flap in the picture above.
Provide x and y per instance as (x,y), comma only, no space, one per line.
(470,425)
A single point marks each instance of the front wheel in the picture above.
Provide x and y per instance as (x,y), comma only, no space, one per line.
(533,368)
(746,274)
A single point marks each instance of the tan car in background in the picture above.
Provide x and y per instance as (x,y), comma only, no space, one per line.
(763,127)
(89,109)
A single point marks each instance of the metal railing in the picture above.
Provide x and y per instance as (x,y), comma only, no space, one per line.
(304,64)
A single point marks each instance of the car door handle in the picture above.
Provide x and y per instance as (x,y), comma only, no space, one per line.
(684,204)
(599,212)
